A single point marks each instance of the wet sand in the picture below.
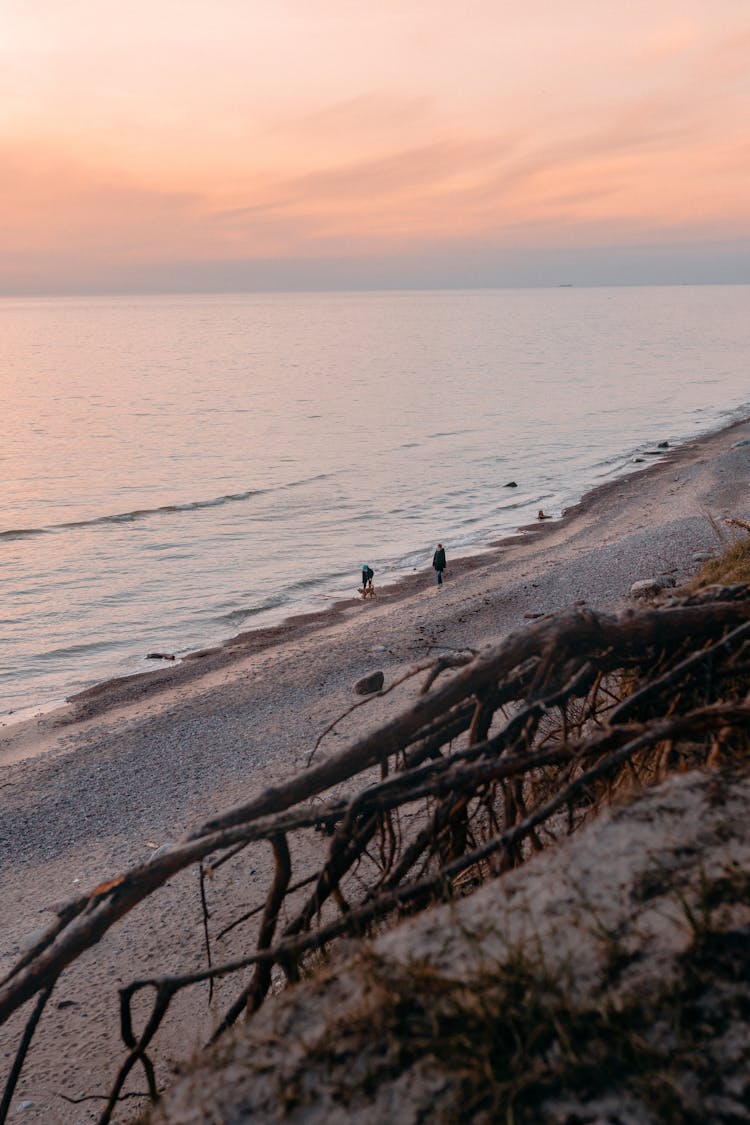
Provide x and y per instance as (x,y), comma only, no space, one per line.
(91,788)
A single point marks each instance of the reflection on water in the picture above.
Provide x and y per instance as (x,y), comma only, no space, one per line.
(177,467)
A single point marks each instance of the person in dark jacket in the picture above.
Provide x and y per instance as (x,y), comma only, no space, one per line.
(439,564)
(367,575)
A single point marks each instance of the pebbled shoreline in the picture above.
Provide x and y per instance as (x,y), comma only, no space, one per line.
(29,736)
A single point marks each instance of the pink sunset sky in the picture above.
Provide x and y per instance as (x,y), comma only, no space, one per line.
(209,144)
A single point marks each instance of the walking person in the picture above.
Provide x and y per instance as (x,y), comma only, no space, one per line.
(438,563)
(367,576)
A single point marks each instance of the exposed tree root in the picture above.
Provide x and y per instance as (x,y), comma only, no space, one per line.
(510,752)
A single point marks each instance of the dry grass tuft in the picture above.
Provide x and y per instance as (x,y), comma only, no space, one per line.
(731,568)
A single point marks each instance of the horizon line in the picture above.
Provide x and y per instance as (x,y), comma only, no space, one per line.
(238,291)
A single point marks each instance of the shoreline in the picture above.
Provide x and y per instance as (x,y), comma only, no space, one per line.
(305,620)
(17,735)
(116,663)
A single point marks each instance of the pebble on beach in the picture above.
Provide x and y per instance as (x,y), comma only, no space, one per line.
(650,587)
(368,684)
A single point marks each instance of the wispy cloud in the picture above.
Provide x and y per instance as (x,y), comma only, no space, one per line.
(324,129)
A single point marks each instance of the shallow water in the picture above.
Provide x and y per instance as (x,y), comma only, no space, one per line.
(175,469)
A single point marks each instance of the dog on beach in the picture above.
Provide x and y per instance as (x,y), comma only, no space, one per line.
(366,592)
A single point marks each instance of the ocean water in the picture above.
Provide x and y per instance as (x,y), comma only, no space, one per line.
(177,469)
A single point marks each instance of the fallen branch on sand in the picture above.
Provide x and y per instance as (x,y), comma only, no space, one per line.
(510,752)
(735,521)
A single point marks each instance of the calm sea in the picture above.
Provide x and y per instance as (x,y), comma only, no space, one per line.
(176,469)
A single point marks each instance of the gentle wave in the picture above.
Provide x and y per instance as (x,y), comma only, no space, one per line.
(162,509)
(290,595)
(24,532)
(64,651)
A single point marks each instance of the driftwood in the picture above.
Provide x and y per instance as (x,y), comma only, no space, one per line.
(513,749)
(735,521)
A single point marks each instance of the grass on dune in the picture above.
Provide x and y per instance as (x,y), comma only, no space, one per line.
(730,568)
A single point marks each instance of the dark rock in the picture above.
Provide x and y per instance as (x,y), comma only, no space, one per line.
(368,684)
(650,587)
(160,656)
(663,445)
(510,484)
(645,588)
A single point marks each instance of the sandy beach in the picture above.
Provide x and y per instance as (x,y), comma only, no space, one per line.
(124,768)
